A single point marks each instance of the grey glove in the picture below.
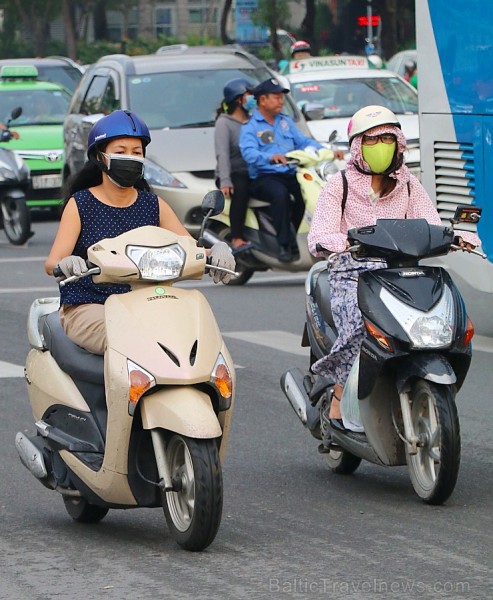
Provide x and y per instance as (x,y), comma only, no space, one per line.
(221,256)
(72,265)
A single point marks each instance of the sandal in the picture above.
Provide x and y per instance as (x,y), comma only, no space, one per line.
(336,422)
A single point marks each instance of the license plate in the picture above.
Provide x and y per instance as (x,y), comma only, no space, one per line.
(41,182)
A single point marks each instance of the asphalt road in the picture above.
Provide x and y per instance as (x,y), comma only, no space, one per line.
(290,528)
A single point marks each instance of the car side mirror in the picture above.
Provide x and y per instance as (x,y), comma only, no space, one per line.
(313,111)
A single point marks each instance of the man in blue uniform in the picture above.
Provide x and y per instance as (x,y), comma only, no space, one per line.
(264,141)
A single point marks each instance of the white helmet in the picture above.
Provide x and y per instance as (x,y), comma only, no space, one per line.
(375,61)
(368,117)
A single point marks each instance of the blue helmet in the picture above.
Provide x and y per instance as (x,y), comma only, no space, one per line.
(118,124)
(235,88)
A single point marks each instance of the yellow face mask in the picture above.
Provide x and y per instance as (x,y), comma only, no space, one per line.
(379,157)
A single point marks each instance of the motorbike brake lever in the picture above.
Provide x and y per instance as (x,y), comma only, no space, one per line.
(222,269)
(93,271)
(457,247)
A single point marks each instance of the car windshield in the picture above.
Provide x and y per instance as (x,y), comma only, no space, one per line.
(343,97)
(39,107)
(187,98)
(67,76)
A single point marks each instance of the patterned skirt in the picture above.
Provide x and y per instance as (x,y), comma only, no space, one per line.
(343,278)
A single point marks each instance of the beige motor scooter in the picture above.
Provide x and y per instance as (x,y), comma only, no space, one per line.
(159,433)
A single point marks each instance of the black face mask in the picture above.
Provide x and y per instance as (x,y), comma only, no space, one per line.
(124,169)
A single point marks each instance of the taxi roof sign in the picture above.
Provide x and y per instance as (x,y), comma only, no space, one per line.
(321,63)
(18,72)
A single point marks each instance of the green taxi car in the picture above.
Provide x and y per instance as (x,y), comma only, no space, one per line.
(39,129)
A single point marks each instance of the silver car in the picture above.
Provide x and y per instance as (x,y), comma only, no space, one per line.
(177,92)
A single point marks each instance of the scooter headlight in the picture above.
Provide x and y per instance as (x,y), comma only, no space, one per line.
(158,264)
(431,332)
(432,329)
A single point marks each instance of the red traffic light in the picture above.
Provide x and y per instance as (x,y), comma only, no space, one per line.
(364,21)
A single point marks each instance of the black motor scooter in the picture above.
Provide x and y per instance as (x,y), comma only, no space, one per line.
(398,404)
(15,217)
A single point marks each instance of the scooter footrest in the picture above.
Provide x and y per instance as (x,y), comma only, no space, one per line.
(319,387)
(66,441)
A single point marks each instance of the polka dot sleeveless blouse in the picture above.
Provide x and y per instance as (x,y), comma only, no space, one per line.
(99,221)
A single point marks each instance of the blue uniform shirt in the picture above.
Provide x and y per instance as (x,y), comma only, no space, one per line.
(257,153)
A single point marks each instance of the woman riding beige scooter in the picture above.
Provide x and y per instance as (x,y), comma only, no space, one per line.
(158,434)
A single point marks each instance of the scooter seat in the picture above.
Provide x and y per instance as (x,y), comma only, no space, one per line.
(71,358)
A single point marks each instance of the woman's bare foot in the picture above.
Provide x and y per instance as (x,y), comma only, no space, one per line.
(239,242)
(335,403)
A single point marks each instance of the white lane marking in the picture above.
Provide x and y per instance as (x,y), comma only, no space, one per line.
(52,289)
(482,343)
(22,259)
(278,340)
(10,370)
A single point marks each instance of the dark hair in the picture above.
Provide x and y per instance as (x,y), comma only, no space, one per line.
(389,183)
(228,107)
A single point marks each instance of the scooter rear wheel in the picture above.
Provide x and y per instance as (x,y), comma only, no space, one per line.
(80,510)
(342,462)
(194,511)
(16,220)
(435,467)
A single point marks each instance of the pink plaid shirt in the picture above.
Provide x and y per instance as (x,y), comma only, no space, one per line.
(329,228)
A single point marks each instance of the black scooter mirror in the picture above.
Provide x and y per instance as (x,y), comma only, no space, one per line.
(267,137)
(213,203)
(16,113)
(333,136)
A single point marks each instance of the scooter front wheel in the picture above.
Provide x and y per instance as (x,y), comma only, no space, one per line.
(194,511)
(80,510)
(435,467)
(16,220)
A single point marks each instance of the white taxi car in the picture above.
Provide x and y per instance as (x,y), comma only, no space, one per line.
(344,84)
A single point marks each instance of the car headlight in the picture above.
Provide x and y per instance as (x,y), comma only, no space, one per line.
(7,174)
(156,175)
(425,330)
(158,264)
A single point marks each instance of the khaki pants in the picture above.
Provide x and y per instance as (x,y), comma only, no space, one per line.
(84,325)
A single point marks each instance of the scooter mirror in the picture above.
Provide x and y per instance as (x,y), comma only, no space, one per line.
(333,136)
(16,113)
(213,203)
(267,136)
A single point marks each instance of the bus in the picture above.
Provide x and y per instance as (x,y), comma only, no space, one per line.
(455,83)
